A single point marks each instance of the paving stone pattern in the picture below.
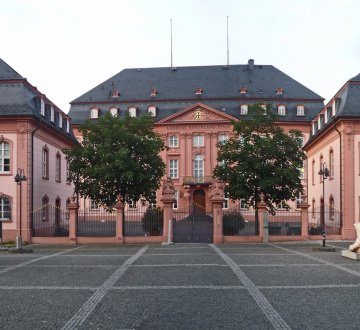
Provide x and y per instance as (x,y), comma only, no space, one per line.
(183,286)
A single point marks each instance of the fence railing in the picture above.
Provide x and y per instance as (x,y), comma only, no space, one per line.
(239,222)
(332,219)
(285,223)
(50,221)
(96,223)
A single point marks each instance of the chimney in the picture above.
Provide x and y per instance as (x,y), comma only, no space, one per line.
(251,64)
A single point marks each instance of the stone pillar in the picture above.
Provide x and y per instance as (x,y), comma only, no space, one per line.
(304,207)
(73,213)
(167,199)
(119,221)
(217,198)
(208,169)
(188,160)
(262,211)
(182,155)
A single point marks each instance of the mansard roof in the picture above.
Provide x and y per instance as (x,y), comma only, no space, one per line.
(217,86)
(19,98)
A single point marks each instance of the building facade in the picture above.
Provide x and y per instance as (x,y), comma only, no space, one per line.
(33,132)
(194,108)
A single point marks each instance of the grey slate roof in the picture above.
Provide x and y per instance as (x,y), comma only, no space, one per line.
(176,90)
(7,72)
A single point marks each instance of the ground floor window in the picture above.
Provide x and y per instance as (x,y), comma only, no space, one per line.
(5,212)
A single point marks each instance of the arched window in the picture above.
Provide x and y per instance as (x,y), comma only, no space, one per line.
(68,201)
(5,208)
(313,205)
(58,167)
(45,208)
(321,160)
(199,166)
(45,163)
(331,208)
(313,172)
(331,164)
(4,157)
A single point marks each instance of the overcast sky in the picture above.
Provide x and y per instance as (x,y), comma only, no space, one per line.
(66,47)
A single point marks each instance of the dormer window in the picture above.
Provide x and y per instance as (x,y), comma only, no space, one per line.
(199,91)
(281,110)
(42,107)
(94,113)
(115,93)
(67,125)
(243,90)
(300,110)
(60,120)
(243,109)
(52,114)
(153,92)
(333,108)
(114,112)
(132,111)
(152,110)
(279,91)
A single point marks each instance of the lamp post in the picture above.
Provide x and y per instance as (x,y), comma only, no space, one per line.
(19,178)
(324,172)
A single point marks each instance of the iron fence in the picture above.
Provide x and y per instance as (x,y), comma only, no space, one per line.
(143,220)
(332,219)
(50,221)
(239,222)
(285,223)
(96,223)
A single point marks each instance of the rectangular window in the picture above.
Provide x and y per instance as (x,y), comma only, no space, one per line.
(4,157)
(94,113)
(67,125)
(332,167)
(244,109)
(132,205)
(198,140)
(67,171)
(173,141)
(42,107)
(52,117)
(152,111)
(243,204)
(300,111)
(4,209)
(302,176)
(223,138)
(132,112)
(58,168)
(60,120)
(94,205)
(313,172)
(199,166)
(173,169)
(45,163)
(176,197)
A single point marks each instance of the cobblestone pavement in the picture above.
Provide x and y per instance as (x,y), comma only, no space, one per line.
(183,286)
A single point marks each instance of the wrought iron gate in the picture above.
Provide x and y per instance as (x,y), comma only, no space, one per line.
(192,225)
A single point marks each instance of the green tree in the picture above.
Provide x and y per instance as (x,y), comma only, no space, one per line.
(117,157)
(261,159)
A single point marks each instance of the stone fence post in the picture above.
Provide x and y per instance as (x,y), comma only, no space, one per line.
(119,221)
(167,199)
(217,199)
(304,207)
(263,215)
(73,214)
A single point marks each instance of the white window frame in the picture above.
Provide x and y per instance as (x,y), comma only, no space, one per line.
(94,113)
(5,215)
(152,110)
(5,149)
(300,110)
(173,141)
(244,108)
(93,205)
(42,107)
(52,114)
(242,204)
(198,140)
(114,111)
(281,110)
(60,120)
(174,168)
(45,163)
(199,166)
(58,167)
(132,111)
(176,198)
(132,205)
(223,138)
(67,125)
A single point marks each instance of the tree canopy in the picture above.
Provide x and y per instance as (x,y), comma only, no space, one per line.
(117,157)
(261,159)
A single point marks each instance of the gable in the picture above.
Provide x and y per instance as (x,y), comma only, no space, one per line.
(197,113)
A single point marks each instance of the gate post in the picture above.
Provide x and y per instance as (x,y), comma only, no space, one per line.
(73,212)
(167,199)
(119,221)
(304,207)
(262,211)
(217,199)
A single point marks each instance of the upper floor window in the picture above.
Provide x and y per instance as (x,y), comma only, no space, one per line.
(67,125)
(4,157)
(199,91)
(173,141)
(115,93)
(152,110)
(114,112)
(223,138)
(321,161)
(176,200)
(331,164)
(45,163)
(198,140)
(94,113)
(67,171)
(243,109)
(58,167)
(199,166)
(313,172)
(173,168)
(333,108)
(132,112)
(42,107)
(5,209)
(243,90)
(300,110)
(279,91)
(52,114)
(281,110)
(60,120)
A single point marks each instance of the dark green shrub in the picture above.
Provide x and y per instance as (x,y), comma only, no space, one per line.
(152,221)
(233,222)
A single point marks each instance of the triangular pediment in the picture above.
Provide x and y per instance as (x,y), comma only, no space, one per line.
(197,113)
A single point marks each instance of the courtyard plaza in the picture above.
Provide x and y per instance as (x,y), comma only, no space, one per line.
(180,286)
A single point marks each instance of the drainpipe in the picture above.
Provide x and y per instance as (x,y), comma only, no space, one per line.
(32,178)
(341,222)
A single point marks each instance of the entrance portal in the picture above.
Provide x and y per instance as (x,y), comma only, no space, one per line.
(199,202)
